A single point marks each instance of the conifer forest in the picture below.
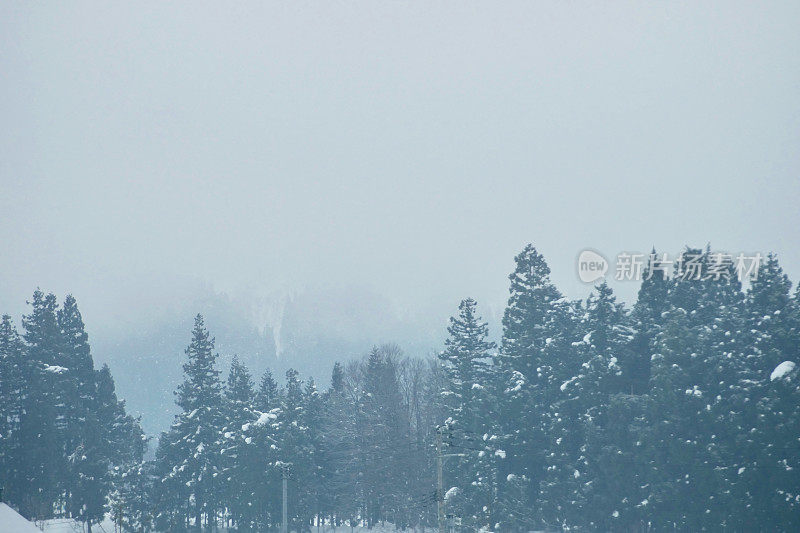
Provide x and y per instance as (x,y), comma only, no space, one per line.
(374,266)
(679,413)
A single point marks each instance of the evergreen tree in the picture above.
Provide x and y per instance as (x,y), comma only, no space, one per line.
(340,454)
(671,453)
(257,472)
(171,488)
(190,450)
(122,445)
(386,431)
(533,361)
(312,419)
(239,398)
(88,477)
(239,388)
(776,479)
(700,398)
(268,395)
(132,478)
(774,323)
(43,458)
(578,489)
(120,431)
(131,501)
(466,361)
(58,441)
(772,317)
(647,319)
(604,346)
(14,400)
(337,377)
(468,402)
(253,448)
(296,451)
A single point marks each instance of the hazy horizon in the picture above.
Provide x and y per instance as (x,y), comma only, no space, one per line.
(390,158)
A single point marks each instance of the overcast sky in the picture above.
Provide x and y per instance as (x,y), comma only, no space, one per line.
(409,148)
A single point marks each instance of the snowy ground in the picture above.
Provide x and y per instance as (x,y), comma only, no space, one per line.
(11,522)
(107,526)
(379,528)
(65,525)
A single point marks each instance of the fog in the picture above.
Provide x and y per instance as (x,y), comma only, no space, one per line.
(356,169)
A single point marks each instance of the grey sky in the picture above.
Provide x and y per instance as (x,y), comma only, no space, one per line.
(412,149)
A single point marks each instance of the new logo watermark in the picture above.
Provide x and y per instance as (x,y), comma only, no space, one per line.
(686,266)
(591,266)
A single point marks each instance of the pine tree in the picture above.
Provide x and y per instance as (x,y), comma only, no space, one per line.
(122,448)
(533,361)
(13,402)
(258,455)
(339,458)
(682,415)
(671,451)
(295,446)
(268,394)
(605,345)
(468,400)
(699,401)
(120,431)
(89,465)
(171,488)
(778,485)
(466,361)
(312,419)
(131,502)
(337,377)
(76,356)
(386,431)
(239,399)
(647,319)
(190,450)
(577,485)
(774,323)
(62,442)
(772,317)
(132,478)
(89,476)
(43,458)
(239,388)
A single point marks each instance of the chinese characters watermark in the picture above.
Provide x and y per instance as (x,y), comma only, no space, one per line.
(686,266)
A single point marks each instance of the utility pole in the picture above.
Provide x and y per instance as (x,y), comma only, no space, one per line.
(284,510)
(439,480)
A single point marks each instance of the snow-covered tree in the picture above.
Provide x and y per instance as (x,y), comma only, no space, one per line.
(296,450)
(268,394)
(89,460)
(776,480)
(190,450)
(577,488)
(239,411)
(534,359)
(468,401)
(647,317)
(14,400)
(340,458)
(43,430)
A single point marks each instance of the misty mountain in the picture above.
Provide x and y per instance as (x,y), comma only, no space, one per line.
(307,330)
